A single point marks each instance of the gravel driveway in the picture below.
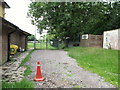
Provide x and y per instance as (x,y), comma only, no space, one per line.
(62,71)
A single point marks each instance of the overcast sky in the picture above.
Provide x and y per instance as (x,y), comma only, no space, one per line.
(17,15)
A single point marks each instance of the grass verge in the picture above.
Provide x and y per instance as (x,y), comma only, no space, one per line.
(98,60)
(24,83)
(26,58)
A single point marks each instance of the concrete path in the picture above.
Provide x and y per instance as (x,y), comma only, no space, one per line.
(62,71)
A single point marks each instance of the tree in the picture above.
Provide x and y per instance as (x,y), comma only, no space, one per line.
(71,19)
(31,38)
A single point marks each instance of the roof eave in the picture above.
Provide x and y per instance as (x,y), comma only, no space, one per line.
(6,5)
(14,26)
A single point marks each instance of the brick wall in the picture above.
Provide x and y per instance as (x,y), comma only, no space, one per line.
(92,41)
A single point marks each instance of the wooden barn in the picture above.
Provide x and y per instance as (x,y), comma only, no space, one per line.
(9,34)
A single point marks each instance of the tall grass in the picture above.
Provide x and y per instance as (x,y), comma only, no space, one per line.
(101,61)
(22,84)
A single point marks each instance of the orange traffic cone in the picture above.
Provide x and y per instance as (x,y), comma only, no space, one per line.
(38,73)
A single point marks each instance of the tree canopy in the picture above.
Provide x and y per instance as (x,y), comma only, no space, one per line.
(31,38)
(71,19)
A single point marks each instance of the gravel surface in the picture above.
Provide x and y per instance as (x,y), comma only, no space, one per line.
(62,71)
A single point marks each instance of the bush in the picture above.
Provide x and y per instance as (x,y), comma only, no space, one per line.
(61,46)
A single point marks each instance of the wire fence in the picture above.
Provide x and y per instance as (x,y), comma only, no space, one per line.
(40,45)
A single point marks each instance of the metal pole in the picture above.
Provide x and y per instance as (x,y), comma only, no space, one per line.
(46,41)
(40,42)
(35,39)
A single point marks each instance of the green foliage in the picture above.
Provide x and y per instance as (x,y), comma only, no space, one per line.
(101,61)
(70,19)
(22,84)
(61,46)
(50,36)
(31,38)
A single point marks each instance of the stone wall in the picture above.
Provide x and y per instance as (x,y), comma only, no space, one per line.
(112,39)
(92,41)
(13,66)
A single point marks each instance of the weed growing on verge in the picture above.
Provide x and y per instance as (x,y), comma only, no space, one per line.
(27,71)
(76,87)
(70,75)
(69,70)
